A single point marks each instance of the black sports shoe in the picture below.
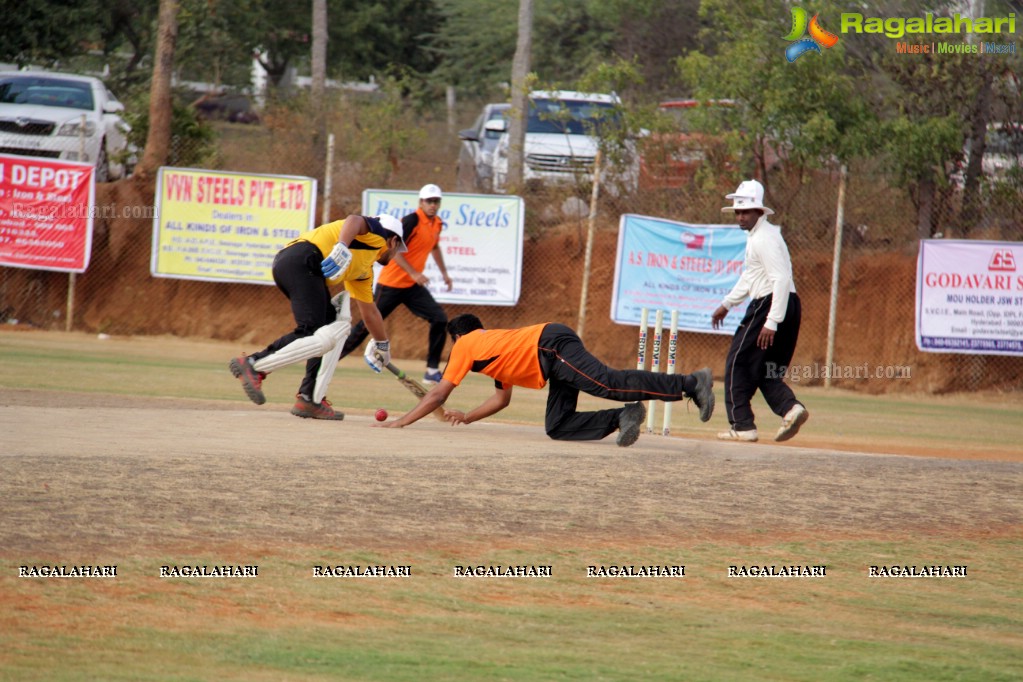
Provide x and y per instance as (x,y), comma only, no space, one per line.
(703,395)
(629,423)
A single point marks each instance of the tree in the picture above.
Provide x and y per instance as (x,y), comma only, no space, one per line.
(160,100)
(519,97)
(210,46)
(319,84)
(47,31)
(811,111)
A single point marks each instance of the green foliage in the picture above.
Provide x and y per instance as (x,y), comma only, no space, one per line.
(475,43)
(210,48)
(477,39)
(916,148)
(43,31)
(811,110)
(367,39)
(193,142)
(379,131)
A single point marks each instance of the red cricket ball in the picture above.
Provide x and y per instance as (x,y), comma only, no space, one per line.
(381,414)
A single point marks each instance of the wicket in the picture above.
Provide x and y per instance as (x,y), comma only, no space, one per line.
(655,359)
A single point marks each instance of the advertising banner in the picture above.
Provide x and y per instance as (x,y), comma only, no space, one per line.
(969,297)
(226,227)
(46,212)
(667,265)
(481,243)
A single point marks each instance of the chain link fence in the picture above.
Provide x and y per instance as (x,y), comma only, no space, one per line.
(381,145)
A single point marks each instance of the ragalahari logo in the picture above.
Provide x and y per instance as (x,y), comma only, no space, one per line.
(818,36)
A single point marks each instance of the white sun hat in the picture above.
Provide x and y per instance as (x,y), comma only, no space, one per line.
(749,195)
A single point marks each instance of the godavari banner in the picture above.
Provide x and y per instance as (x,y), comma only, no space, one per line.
(969,297)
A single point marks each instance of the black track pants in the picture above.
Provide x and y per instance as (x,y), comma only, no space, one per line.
(296,271)
(570,368)
(748,367)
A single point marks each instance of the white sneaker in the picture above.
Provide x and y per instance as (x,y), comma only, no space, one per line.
(744,436)
(791,422)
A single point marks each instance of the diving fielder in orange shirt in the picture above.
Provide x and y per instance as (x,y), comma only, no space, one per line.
(552,354)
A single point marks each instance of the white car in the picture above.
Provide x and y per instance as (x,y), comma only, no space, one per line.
(1003,156)
(475,168)
(562,137)
(41,114)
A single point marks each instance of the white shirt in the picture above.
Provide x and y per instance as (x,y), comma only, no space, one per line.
(768,270)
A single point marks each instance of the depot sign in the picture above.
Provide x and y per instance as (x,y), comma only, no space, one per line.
(46,212)
(970,297)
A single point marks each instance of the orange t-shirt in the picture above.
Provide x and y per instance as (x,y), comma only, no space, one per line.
(420,243)
(509,356)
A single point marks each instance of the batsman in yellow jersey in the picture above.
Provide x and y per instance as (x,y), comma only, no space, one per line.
(340,252)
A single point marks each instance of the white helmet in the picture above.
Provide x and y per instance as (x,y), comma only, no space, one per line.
(393,226)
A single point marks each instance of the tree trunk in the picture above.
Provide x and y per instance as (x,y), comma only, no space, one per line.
(925,207)
(977,143)
(318,88)
(160,105)
(519,97)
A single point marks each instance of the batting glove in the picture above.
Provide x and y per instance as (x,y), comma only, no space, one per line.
(378,354)
(337,262)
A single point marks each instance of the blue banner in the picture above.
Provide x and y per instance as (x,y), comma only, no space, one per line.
(667,265)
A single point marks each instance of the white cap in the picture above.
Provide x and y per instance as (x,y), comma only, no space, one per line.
(748,196)
(393,225)
(430,192)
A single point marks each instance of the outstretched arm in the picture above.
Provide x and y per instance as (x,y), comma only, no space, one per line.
(427,404)
(492,405)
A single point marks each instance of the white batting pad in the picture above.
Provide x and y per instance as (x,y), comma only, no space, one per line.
(320,343)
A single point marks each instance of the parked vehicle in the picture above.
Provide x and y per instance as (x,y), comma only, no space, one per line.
(42,112)
(1003,153)
(563,133)
(1003,156)
(669,160)
(475,168)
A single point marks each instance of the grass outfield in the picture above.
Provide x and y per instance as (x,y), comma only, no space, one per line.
(130,489)
(288,625)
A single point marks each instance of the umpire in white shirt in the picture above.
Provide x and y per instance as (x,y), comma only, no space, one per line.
(766,338)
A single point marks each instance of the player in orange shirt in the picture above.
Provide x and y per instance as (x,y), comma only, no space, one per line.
(552,354)
(402,282)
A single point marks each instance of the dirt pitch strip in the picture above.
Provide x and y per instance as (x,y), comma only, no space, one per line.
(89,477)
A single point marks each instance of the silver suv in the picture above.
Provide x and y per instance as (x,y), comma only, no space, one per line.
(475,168)
(563,133)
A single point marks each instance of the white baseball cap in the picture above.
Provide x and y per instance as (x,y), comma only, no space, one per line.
(393,228)
(748,196)
(430,192)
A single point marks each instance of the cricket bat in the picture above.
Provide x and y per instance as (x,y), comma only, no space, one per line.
(414,387)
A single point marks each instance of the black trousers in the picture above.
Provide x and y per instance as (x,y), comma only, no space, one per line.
(420,303)
(297,273)
(748,367)
(570,368)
